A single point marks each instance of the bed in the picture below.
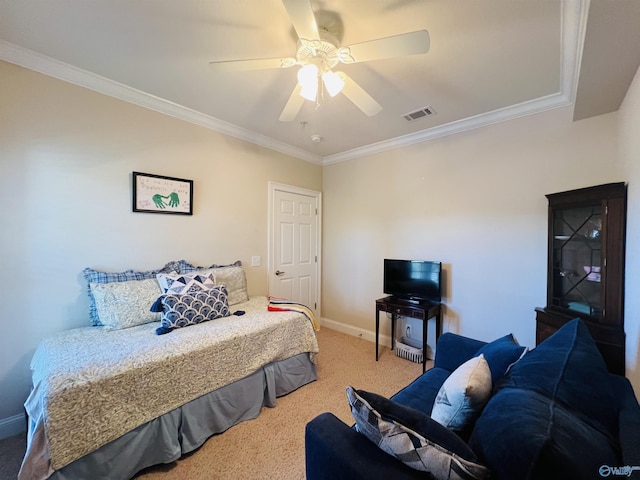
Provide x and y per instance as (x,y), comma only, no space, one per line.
(107,403)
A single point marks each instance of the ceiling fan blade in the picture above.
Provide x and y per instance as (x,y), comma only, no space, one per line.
(302,18)
(253,64)
(411,43)
(359,97)
(293,105)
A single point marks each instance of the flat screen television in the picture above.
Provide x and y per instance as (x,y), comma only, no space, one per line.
(413,279)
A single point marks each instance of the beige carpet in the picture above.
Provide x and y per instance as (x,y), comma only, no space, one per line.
(272,446)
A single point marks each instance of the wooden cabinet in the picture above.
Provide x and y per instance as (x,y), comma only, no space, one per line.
(585,267)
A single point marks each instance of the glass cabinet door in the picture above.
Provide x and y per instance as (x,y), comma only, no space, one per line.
(585,267)
(577,264)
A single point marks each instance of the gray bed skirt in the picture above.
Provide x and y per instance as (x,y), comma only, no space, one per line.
(182,430)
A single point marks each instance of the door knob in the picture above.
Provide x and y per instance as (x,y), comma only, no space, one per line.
(278,272)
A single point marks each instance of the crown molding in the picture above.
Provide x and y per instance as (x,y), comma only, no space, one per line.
(574,20)
(531,107)
(573,28)
(63,71)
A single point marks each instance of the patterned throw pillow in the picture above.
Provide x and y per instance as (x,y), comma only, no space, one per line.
(97,276)
(190,283)
(413,438)
(182,310)
(463,395)
(125,304)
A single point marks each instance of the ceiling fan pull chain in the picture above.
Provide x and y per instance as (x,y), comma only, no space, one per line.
(320,94)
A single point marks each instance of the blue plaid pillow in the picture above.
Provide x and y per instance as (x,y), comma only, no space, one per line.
(182,310)
(182,266)
(96,276)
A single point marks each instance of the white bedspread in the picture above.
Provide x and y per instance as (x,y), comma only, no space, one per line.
(90,385)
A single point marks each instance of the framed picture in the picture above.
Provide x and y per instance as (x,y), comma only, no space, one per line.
(158,194)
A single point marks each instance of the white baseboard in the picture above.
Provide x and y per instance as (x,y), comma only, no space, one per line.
(369,335)
(11,426)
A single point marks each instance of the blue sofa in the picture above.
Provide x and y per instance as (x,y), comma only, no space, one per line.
(555,414)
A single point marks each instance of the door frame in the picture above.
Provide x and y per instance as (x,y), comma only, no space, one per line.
(281,187)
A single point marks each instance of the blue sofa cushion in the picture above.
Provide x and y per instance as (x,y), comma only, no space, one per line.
(523,434)
(568,368)
(500,355)
(413,437)
(422,392)
(453,350)
(629,424)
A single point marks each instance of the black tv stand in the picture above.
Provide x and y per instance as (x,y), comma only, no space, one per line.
(420,309)
(413,301)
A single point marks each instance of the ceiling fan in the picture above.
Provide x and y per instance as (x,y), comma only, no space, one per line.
(319,51)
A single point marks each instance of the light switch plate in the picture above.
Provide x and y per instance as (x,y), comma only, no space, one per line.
(256,261)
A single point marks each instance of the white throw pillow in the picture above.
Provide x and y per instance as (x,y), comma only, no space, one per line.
(234,279)
(463,395)
(126,304)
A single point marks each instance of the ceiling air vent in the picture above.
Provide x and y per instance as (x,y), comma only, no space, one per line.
(423,112)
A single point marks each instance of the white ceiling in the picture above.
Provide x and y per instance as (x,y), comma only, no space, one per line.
(489,61)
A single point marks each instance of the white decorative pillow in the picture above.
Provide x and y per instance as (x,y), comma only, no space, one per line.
(463,395)
(234,279)
(185,283)
(125,304)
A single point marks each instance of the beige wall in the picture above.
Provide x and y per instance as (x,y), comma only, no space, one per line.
(629,118)
(66,157)
(475,201)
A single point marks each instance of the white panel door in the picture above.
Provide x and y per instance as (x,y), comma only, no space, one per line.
(294,248)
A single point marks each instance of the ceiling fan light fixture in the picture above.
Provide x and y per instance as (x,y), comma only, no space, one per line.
(308,80)
(332,82)
(309,93)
